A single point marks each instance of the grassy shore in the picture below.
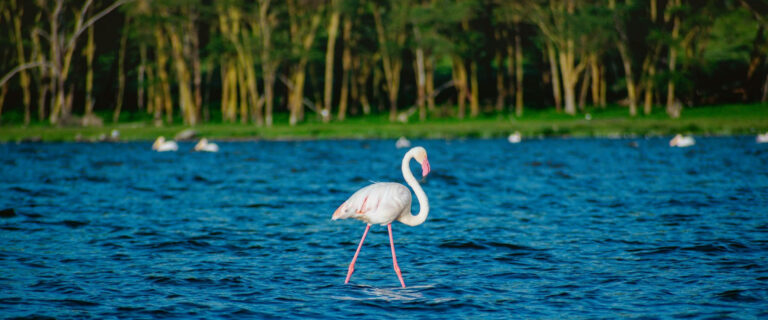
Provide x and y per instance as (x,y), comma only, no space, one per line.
(715,120)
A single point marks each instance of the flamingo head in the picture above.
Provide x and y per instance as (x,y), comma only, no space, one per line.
(420,155)
(160,140)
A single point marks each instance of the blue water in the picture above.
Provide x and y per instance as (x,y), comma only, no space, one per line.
(553,228)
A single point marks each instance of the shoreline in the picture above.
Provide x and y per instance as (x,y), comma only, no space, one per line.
(728,120)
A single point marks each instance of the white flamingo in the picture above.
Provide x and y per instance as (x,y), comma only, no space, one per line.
(515,137)
(402,143)
(204,145)
(762,138)
(384,202)
(681,141)
(161,145)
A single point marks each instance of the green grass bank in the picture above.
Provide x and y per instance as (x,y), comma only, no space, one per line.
(610,122)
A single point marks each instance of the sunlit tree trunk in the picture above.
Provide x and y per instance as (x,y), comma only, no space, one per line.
(88,51)
(15,13)
(460,83)
(302,37)
(594,68)
(333,30)
(430,85)
(391,59)
(555,77)
(269,63)
(346,66)
(518,69)
(672,110)
(501,89)
(474,101)
(162,74)
(121,73)
(420,74)
(140,77)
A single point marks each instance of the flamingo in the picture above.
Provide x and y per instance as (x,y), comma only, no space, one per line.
(203,145)
(515,137)
(762,138)
(384,202)
(681,141)
(161,145)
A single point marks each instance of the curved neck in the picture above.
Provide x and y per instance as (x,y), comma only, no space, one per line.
(408,218)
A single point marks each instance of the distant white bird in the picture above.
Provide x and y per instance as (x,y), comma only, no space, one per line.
(402,143)
(114,135)
(515,137)
(762,138)
(161,145)
(681,141)
(204,145)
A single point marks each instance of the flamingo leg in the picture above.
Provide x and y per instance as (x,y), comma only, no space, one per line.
(394,258)
(352,265)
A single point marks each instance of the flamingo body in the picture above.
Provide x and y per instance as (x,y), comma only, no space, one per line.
(681,141)
(379,203)
(205,146)
(161,145)
(762,138)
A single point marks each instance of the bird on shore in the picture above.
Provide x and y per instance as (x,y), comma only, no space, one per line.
(681,141)
(762,138)
(384,202)
(515,137)
(403,142)
(161,145)
(205,146)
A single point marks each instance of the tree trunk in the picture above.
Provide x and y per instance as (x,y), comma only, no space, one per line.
(460,83)
(392,62)
(672,110)
(268,63)
(346,66)
(630,78)
(186,101)
(555,77)
(518,70)
(333,29)
(430,90)
(89,49)
(23,75)
(421,81)
(121,73)
(474,102)
(501,89)
(594,68)
(140,76)
(162,73)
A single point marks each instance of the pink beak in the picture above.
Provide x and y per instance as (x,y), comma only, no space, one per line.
(425,168)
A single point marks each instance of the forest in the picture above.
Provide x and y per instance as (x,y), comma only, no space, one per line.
(263,62)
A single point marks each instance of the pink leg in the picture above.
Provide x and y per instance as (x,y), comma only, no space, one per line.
(394,258)
(352,265)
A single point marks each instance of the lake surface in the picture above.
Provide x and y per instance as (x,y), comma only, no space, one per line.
(553,228)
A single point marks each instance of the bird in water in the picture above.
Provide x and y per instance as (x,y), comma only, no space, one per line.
(204,145)
(384,202)
(161,145)
(403,142)
(762,138)
(515,137)
(681,141)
